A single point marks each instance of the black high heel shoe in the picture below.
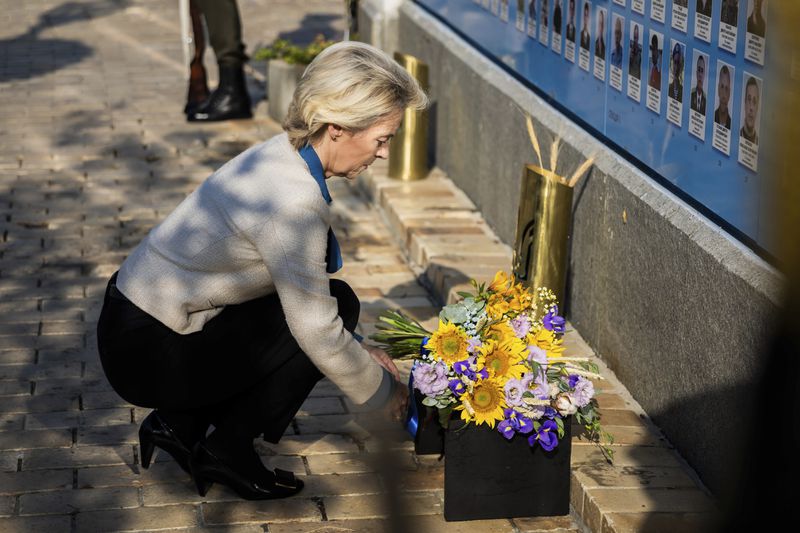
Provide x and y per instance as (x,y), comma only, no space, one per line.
(208,468)
(153,432)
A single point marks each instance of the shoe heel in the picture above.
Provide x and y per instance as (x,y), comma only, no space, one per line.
(146,447)
(202,485)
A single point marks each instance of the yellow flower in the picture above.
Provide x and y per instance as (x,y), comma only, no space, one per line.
(546,340)
(449,343)
(500,283)
(484,403)
(503,359)
(500,331)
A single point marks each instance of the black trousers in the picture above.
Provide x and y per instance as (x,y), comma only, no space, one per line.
(243,370)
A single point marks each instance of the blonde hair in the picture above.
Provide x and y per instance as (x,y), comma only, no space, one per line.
(352,85)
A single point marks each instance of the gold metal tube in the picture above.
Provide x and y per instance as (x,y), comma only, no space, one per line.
(543,231)
(408,152)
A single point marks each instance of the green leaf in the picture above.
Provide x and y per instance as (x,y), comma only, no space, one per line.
(560,424)
(430,402)
(444,415)
(454,313)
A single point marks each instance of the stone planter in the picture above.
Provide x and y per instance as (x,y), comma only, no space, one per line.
(282,79)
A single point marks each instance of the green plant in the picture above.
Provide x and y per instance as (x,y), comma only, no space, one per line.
(292,53)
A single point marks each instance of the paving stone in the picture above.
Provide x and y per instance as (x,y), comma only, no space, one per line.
(39,403)
(77,457)
(600,501)
(378,505)
(14,387)
(37,480)
(70,501)
(286,510)
(125,475)
(16,357)
(338,424)
(6,505)
(28,439)
(334,526)
(637,456)
(17,524)
(11,421)
(549,524)
(306,445)
(108,435)
(660,522)
(139,519)
(340,485)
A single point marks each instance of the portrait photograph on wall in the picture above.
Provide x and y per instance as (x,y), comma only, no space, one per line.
(654,69)
(755,43)
(721,139)
(698,97)
(751,114)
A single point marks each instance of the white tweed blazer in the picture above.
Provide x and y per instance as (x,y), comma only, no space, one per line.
(257,225)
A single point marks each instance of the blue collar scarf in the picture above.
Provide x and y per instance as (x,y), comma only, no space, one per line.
(333,256)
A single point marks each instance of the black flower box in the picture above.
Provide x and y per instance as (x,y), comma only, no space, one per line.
(430,433)
(487,476)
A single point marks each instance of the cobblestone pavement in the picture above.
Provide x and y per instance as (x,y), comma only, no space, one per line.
(94,151)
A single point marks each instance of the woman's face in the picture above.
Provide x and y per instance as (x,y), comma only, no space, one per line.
(351,153)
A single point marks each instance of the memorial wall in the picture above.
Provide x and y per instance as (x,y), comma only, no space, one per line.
(679,87)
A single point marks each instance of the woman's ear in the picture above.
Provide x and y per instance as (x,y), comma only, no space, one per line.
(334,131)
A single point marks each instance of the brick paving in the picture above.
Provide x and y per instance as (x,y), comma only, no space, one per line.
(94,151)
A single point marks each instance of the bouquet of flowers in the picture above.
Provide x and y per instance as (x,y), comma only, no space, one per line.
(497,358)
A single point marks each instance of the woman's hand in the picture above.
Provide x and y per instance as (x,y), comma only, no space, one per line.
(383,359)
(398,403)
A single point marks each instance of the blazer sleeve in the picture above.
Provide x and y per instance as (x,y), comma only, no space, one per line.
(293,244)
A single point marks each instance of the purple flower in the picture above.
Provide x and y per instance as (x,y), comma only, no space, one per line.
(430,380)
(537,354)
(553,322)
(521,325)
(542,388)
(514,422)
(506,428)
(462,367)
(525,425)
(573,379)
(473,344)
(546,436)
(514,389)
(584,391)
(457,387)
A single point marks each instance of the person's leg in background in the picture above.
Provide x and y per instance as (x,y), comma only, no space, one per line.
(230,100)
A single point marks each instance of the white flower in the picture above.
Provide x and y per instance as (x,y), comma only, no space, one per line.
(565,404)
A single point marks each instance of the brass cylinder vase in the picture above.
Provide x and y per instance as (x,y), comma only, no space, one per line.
(408,152)
(543,231)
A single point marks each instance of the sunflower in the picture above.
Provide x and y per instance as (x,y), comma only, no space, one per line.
(503,359)
(500,332)
(546,340)
(484,403)
(449,343)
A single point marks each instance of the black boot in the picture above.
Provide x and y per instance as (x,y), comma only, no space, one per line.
(229,101)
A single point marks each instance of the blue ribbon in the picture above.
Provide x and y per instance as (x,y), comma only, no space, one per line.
(412,416)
